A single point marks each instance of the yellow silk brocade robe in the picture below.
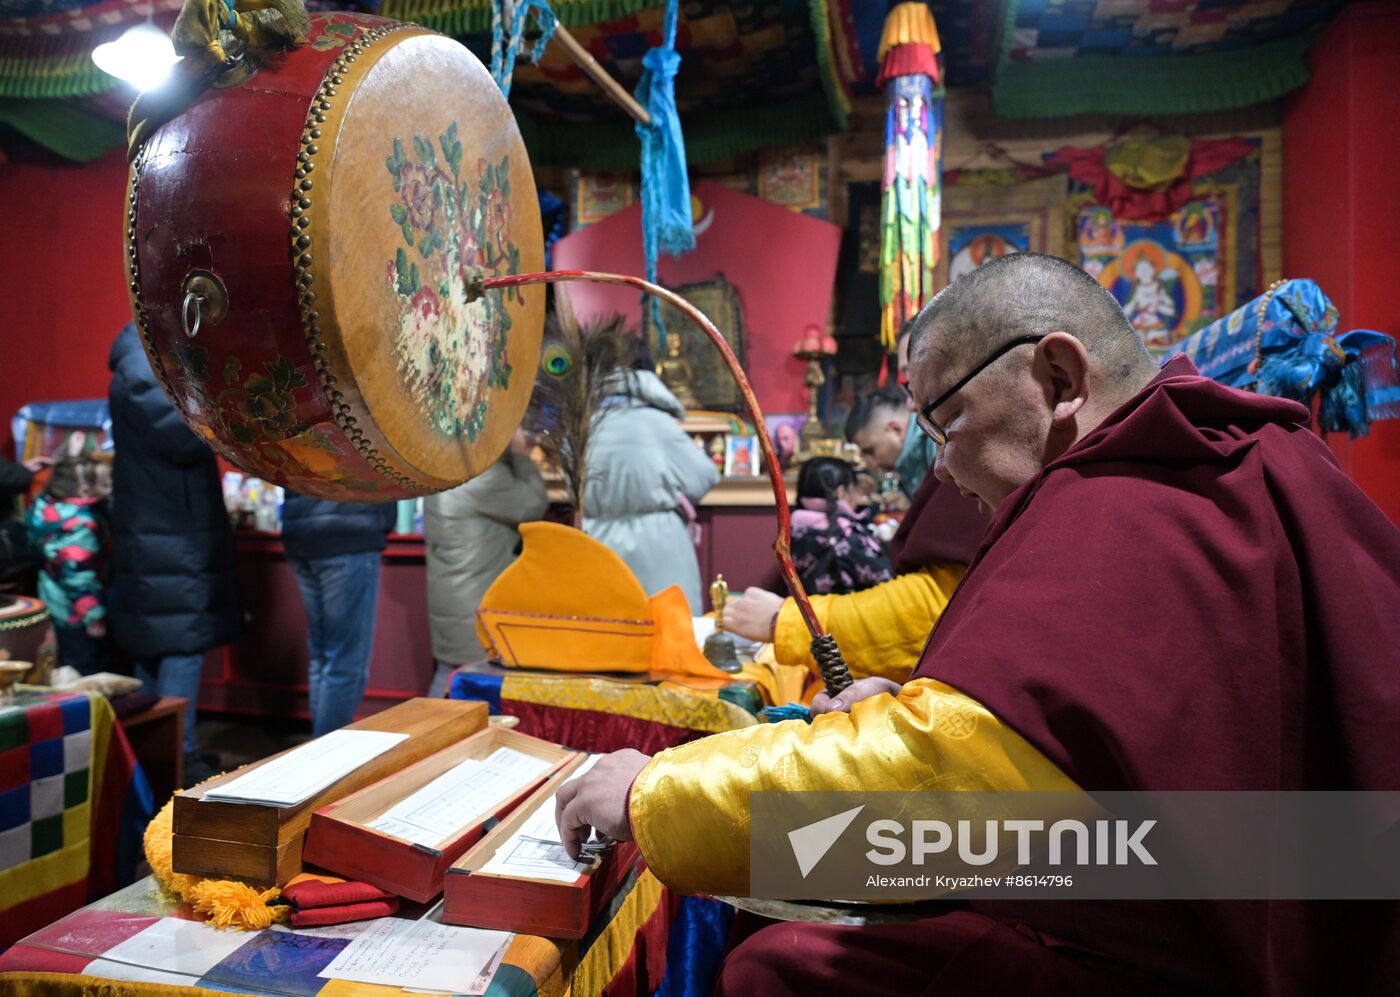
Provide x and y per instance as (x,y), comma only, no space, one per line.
(690,809)
(881,630)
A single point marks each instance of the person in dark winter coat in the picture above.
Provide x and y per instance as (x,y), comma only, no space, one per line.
(17,555)
(174,594)
(334,548)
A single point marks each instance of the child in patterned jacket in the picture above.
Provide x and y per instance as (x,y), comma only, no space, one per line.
(68,527)
(834,550)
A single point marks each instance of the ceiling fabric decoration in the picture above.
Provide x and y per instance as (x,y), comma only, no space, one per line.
(751,76)
(1151,56)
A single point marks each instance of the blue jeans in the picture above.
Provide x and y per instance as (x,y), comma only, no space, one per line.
(176,675)
(340,594)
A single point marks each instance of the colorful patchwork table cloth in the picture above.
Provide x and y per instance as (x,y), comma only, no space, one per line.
(140,942)
(73,803)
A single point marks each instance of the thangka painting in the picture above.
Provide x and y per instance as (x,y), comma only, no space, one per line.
(794,178)
(1177,273)
(710,382)
(982,221)
(598,195)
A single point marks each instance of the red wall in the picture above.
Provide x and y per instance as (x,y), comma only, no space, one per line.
(1341,202)
(61,280)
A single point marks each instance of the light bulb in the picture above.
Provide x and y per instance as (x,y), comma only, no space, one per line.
(142,56)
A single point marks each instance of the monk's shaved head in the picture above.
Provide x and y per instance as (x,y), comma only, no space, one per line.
(1015,362)
(1026,294)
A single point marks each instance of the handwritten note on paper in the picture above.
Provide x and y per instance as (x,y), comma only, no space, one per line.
(421,955)
(460,796)
(303,772)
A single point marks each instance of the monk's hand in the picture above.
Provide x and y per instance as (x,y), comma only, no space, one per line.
(753,614)
(854,693)
(598,799)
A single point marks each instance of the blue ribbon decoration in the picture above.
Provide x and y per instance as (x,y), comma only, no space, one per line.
(503,50)
(1294,336)
(666,218)
(791,711)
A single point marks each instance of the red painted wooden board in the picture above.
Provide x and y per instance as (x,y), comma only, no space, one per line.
(340,841)
(532,906)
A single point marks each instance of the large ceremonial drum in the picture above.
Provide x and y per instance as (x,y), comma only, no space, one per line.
(301,247)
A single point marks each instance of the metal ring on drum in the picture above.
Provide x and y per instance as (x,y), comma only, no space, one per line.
(191,299)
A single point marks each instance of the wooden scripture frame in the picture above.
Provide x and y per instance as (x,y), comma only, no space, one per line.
(531,906)
(340,840)
(262,844)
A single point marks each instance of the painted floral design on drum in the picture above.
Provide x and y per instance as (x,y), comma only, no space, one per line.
(453,220)
(258,408)
(336,34)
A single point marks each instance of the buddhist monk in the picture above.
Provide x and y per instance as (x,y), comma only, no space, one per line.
(1179,590)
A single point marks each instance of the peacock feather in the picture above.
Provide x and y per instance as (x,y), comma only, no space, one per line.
(580,368)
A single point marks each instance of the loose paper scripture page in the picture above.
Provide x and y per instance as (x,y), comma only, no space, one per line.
(535,851)
(303,772)
(424,954)
(460,796)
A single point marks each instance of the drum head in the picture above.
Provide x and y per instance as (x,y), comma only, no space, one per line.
(302,247)
(421,182)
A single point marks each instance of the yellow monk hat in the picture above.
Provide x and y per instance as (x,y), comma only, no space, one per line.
(570,604)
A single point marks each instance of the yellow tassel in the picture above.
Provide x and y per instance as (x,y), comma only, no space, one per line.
(236,905)
(224,903)
(908,24)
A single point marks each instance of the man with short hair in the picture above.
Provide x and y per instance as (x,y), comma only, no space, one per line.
(876,425)
(1179,590)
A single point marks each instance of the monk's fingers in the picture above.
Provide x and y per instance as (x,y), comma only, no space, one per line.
(575,827)
(562,799)
(750,615)
(855,692)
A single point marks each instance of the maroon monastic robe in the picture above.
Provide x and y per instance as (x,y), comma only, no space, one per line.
(940,526)
(1193,597)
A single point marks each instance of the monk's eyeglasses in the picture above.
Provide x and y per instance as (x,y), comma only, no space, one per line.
(925,419)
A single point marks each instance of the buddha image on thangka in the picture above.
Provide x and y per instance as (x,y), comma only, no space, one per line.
(1164,273)
(972,245)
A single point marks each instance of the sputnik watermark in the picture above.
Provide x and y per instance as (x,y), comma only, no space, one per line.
(1115,842)
(902,846)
